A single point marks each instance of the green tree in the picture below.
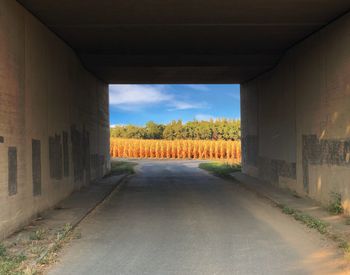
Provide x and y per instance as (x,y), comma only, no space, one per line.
(173,130)
(154,130)
(132,131)
(220,129)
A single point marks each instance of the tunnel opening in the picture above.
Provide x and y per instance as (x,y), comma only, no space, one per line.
(188,121)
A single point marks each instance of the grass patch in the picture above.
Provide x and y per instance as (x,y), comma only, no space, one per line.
(306,219)
(346,248)
(32,251)
(344,245)
(9,264)
(320,226)
(37,235)
(51,254)
(220,169)
(2,250)
(122,167)
(335,207)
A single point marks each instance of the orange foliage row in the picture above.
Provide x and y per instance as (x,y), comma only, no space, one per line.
(176,149)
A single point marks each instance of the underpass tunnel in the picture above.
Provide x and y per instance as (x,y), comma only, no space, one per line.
(58,57)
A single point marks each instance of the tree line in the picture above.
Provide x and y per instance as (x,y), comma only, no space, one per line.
(220,129)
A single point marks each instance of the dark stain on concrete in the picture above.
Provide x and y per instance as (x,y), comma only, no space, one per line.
(80,153)
(272,169)
(76,153)
(284,169)
(323,151)
(65,154)
(97,163)
(12,171)
(250,150)
(55,157)
(36,167)
(86,155)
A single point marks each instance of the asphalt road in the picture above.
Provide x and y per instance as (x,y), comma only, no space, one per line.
(173,218)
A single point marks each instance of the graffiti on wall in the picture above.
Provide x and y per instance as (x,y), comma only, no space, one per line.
(12,171)
(272,169)
(36,167)
(65,154)
(250,150)
(80,153)
(317,151)
(55,157)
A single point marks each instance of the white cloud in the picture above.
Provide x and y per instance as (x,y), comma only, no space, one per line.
(235,95)
(183,105)
(126,96)
(199,87)
(205,117)
(115,125)
(134,97)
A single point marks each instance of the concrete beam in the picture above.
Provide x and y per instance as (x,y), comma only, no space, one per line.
(136,32)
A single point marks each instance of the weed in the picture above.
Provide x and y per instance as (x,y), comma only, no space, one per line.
(345,245)
(122,167)
(220,169)
(319,225)
(295,195)
(31,270)
(34,253)
(63,232)
(287,210)
(37,235)
(36,250)
(2,250)
(60,237)
(10,263)
(67,227)
(306,219)
(335,207)
(77,235)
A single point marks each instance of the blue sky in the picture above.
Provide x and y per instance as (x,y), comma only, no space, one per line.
(137,104)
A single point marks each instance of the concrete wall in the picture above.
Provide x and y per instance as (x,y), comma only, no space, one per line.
(54,121)
(296,118)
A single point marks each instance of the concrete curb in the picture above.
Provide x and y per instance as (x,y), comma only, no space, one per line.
(338,236)
(119,185)
(256,192)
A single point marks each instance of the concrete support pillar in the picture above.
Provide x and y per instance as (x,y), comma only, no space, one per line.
(54,120)
(296,118)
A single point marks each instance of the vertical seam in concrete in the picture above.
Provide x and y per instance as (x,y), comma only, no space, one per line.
(295,119)
(258,122)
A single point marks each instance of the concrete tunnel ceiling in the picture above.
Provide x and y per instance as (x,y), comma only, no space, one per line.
(183,41)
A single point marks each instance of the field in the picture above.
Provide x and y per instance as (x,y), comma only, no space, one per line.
(229,151)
